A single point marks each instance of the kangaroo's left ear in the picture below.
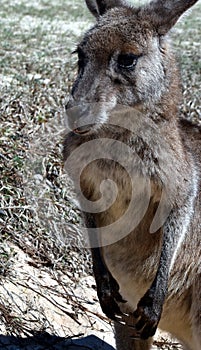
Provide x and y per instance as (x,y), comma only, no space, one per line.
(163,14)
(99,7)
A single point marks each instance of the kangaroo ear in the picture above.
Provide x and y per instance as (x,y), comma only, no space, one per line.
(165,13)
(99,7)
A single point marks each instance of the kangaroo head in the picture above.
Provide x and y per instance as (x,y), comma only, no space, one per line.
(125,59)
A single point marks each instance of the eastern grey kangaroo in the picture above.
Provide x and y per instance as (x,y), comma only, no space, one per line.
(148,277)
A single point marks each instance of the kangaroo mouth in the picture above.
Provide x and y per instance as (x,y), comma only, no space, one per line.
(82,130)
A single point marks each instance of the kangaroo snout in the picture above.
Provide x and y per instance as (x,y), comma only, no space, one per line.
(84,117)
(78,117)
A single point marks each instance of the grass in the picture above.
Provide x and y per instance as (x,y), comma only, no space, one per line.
(187,45)
(37,213)
(36,203)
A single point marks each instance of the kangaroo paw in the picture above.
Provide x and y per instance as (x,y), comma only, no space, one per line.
(109,296)
(148,315)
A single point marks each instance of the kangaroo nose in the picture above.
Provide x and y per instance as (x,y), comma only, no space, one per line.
(76,115)
(74,112)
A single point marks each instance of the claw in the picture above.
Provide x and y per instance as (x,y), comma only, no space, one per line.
(122,323)
(119,319)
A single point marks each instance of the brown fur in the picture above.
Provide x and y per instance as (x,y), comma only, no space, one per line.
(168,147)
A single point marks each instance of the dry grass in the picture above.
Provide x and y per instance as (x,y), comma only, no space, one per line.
(36,72)
(37,214)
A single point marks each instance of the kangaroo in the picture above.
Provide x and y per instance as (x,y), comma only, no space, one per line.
(123,116)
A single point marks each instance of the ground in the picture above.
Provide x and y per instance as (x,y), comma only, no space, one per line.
(47,290)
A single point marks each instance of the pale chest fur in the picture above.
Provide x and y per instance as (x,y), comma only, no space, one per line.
(133,255)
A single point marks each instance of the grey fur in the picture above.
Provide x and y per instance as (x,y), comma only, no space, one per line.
(98,8)
(154,278)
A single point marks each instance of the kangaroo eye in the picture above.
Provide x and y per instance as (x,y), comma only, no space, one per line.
(127,60)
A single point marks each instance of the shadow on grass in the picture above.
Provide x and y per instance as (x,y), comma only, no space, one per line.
(45,341)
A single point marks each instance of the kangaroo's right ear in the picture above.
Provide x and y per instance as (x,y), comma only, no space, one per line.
(99,7)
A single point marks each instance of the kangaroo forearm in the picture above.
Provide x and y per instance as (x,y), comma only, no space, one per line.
(99,266)
(107,286)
